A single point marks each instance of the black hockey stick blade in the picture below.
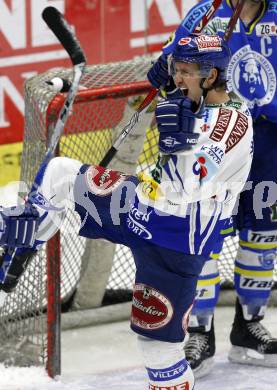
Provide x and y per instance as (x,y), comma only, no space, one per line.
(108,157)
(57,23)
(128,128)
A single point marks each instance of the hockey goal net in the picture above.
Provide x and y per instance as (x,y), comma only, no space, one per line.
(80,272)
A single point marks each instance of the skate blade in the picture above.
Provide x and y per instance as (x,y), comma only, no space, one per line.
(250,356)
(204,368)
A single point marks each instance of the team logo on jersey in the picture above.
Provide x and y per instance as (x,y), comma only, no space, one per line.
(253,77)
(150,308)
(102,181)
(267,258)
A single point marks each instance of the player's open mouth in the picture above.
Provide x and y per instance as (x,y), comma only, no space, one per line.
(185,91)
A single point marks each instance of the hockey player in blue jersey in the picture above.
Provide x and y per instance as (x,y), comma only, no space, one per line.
(171,218)
(252,75)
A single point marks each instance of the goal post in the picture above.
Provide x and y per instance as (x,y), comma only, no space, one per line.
(30,318)
(71,271)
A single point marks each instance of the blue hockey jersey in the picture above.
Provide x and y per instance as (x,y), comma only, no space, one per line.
(252,69)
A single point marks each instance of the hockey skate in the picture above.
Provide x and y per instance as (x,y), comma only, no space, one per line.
(200,349)
(251,342)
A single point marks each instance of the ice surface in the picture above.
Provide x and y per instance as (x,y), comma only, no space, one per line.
(106,357)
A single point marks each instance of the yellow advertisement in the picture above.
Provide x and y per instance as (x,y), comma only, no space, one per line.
(10,161)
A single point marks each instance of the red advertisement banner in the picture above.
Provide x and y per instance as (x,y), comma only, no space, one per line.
(109,30)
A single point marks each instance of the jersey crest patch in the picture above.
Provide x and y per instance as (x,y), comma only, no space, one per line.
(102,181)
(253,77)
(150,309)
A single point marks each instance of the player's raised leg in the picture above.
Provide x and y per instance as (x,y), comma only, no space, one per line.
(49,209)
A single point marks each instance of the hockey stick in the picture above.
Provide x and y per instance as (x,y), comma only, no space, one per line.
(151,95)
(233,20)
(207,16)
(56,22)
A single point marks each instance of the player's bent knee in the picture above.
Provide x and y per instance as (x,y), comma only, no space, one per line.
(162,302)
(64,165)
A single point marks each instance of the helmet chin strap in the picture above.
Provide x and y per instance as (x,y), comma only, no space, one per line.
(213,86)
(205,90)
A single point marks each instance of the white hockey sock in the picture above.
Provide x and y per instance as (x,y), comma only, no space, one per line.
(56,188)
(166,365)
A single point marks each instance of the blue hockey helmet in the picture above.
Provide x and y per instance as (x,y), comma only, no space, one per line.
(209,51)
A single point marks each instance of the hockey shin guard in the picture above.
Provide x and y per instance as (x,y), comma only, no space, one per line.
(254,280)
(207,293)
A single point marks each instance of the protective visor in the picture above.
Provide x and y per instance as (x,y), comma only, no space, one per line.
(175,68)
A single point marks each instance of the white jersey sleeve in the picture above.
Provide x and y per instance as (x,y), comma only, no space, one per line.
(191,194)
(217,167)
